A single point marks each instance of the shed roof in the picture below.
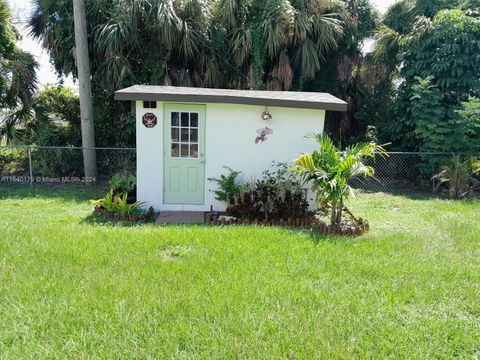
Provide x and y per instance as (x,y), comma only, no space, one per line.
(291,99)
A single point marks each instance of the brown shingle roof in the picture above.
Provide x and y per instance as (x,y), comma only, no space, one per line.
(292,99)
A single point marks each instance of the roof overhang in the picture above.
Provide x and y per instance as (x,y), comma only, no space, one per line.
(290,99)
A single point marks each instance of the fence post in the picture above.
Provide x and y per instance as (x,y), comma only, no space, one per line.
(30,165)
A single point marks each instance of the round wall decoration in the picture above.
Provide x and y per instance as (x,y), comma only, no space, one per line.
(149,120)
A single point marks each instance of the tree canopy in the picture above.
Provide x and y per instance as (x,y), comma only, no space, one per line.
(17,77)
(274,44)
(299,45)
(413,90)
(432,49)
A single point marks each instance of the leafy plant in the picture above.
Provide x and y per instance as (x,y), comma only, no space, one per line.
(107,202)
(458,177)
(228,186)
(123,207)
(118,204)
(121,183)
(421,45)
(330,171)
(278,194)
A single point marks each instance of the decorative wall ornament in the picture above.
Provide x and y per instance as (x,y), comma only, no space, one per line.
(149,120)
(262,134)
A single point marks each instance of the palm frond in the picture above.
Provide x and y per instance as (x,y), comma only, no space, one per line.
(22,68)
(277,26)
(168,23)
(241,45)
(113,72)
(328,31)
(306,59)
(115,36)
(387,45)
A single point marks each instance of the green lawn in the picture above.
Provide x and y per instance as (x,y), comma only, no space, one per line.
(73,287)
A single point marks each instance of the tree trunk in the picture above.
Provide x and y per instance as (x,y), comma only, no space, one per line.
(86,108)
(334,214)
(339,212)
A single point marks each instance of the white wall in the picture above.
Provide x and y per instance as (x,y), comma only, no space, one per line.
(230,140)
(150,158)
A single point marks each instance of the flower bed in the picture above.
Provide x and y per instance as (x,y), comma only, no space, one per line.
(146,217)
(343,229)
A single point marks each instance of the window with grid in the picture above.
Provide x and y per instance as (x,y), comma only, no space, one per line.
(184,135)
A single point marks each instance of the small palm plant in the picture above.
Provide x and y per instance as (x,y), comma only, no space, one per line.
(459,176)
(330,170)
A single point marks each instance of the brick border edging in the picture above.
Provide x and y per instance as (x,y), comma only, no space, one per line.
(292,222)
(307,222)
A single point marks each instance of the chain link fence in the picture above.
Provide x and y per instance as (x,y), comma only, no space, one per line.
(404,172)
(62,165)
(398,172)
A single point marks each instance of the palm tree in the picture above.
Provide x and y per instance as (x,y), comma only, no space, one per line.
(330,172)
(459,176)
(86,107)
(224,43)
(283,41)
(18,80)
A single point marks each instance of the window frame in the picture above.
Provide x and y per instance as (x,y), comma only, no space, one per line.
(149,104)
(178,143)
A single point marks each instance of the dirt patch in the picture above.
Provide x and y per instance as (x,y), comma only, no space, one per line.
(175,252)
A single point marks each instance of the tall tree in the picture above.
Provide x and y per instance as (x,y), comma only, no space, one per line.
(18,81)
(86,108)
(430,48)
(312,45)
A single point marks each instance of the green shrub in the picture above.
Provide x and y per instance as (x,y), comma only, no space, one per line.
(57,162)
(228,186)
(277,195)
(14,161)
(117,204)
(121,183)
(457,178)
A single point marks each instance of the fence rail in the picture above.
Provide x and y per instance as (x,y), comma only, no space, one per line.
(399,171)
(62,165)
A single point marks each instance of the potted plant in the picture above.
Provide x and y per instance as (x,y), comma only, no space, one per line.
(329,171)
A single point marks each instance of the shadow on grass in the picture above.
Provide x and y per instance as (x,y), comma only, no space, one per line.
(311,234)
(318,238)
(76,193)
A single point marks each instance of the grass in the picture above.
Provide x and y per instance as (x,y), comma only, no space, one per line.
(74,287)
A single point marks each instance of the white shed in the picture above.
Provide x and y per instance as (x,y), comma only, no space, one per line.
(187,135)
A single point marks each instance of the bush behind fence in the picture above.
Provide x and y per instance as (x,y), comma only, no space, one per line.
(62,165)
(400,171)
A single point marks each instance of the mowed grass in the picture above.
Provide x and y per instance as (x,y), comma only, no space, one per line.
(74,287)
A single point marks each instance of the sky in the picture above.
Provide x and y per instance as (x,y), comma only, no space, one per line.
(46,75)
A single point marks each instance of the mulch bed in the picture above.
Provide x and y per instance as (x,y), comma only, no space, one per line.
(354,227)
(147,217)
(342,230)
